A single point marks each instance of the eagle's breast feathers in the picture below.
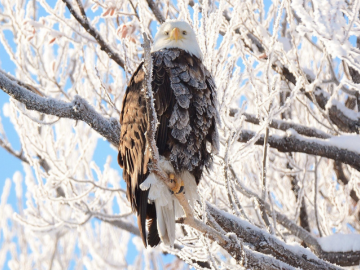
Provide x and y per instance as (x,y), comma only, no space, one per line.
(194,113)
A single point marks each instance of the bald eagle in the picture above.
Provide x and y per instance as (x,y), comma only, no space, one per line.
(186,136)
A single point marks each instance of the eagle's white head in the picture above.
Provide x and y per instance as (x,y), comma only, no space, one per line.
(177,34)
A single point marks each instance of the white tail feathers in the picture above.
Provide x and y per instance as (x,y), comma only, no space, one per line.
(167,206)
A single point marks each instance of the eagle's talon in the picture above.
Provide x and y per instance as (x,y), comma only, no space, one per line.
(179,184)
(181,187)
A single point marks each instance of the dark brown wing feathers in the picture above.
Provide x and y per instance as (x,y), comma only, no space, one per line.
(185,103)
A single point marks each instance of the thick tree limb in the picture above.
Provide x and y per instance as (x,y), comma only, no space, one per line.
(92,31)
(265,243)
(78,109)
(298,143)
(349,258)
(129,227)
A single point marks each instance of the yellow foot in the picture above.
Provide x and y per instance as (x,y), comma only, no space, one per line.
(179,184)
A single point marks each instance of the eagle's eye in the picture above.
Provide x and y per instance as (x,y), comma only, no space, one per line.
(166,33)
(184,33)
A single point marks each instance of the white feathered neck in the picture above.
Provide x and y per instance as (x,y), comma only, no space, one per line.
(187,43)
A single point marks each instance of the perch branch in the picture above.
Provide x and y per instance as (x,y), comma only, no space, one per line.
(151,142)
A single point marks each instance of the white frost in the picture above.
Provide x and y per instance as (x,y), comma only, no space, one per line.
(340,242)
(350,142)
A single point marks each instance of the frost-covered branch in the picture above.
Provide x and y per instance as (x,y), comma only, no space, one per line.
(285,125)
(345,119)
(296,143)
(151,143)
(157,13)
(152,117)
(96,35)
(78,109)
(265,243)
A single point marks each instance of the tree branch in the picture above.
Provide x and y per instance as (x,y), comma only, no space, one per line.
(285,125)
(78,109)
(96,35)
(156,11)
(339,115)
(298,143)
(265,243)
(8,148)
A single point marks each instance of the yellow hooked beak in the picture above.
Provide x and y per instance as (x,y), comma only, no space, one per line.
(175,34)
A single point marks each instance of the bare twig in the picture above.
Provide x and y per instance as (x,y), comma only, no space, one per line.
(158,15)
(9,149)
(82,10)
(134,9)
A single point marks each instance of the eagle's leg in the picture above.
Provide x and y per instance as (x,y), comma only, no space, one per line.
(179,184)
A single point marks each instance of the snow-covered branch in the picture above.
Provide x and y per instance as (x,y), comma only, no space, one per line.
(264,242)
(78,109)
(293,142)
(286,125)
